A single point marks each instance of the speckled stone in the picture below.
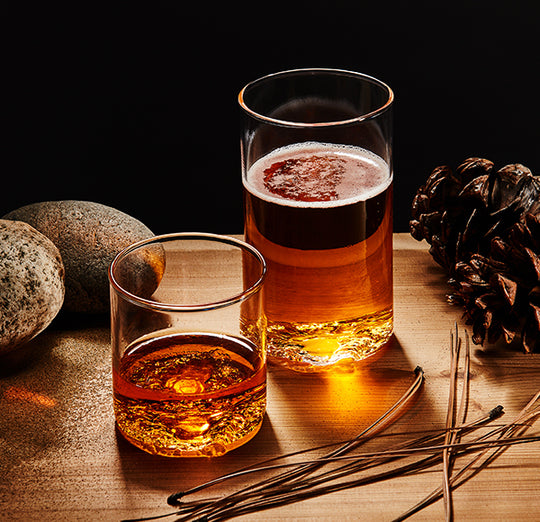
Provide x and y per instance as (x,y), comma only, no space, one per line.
(31,283)
(89,235)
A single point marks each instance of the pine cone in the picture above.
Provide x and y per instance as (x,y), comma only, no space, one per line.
(484,229)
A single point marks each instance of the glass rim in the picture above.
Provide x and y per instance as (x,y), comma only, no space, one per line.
(337,72)
(194,236)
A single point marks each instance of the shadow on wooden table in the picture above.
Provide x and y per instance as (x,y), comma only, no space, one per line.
(512,374)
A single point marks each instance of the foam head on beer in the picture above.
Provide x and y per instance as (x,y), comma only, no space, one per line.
(315,174)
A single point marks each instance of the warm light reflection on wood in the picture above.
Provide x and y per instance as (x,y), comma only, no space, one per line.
(364,395)
(18,393)
(343,404)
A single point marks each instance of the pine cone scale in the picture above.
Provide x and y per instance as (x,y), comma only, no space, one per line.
(507,287)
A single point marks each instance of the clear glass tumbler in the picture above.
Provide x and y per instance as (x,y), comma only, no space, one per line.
(317,173)
(188,342)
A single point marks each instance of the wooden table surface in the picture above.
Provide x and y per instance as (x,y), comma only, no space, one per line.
(61,458)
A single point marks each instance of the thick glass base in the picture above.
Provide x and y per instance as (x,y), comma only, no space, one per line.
(319,347)
(212,449)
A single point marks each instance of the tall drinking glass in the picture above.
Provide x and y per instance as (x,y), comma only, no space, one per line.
(317,175)
(188,341)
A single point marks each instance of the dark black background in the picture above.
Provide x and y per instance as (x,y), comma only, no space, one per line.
(134,105)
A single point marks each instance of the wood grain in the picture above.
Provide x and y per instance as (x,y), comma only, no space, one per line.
(61,458)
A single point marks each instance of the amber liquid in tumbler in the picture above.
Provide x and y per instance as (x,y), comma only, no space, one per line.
(185,395)
(321,215)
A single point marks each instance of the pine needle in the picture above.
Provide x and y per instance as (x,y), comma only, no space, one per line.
(346,467)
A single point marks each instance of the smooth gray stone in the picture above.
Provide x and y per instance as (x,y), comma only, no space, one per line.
(88,235)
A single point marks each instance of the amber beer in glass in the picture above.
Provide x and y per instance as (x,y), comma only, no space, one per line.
(317,177)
